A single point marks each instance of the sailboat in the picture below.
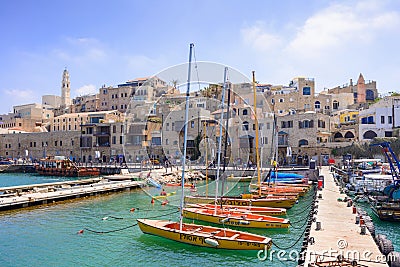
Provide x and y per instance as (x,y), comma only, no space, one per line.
(248,199)
(201,235)
(231,217)
(250,209)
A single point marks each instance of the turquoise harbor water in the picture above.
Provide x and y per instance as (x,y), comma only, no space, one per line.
(47,235)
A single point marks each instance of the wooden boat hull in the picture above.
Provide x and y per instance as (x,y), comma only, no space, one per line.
(255,210)
(205,236)
(260,202)
(234,218)
(72,172)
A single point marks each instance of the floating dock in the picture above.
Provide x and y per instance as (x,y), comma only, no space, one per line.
(335,235)
(38,194)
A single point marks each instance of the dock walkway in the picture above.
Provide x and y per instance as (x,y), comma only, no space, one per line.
(339,235)
(38,194)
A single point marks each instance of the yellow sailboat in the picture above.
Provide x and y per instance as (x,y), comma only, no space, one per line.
(250,209)
(273,202)
(235,218)
(205,236)
(200,235)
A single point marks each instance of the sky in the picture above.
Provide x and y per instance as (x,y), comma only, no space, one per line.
(111,42)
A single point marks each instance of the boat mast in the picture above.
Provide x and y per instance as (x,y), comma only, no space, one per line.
(226,142)
(220,140)
(206,145)
(256,124)
(185,137)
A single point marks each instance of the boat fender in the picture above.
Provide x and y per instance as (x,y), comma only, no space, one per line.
(244,222)
(165,202)
(105,218)
(386,246)
(211,242)
(225,220)
(80,232)
(152,201)
(132,210)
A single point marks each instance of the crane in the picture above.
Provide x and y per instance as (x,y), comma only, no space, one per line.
(393,190)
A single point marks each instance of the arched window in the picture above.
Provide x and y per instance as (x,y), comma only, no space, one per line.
(369,135)
(335,104)
(245,126)
(317,105)
(338,135)
(303,142)
(349,135)
(244,111)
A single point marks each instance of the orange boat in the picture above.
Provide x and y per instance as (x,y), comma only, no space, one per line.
(205,236)
(250,209)
(235,218)
(245,200)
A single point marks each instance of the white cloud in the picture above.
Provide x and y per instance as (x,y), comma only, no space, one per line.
(81,50)
(257,37)
(86,90)
(341,26)
(21,95)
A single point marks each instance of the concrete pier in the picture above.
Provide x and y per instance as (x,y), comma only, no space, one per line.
(38,194)
(335,233)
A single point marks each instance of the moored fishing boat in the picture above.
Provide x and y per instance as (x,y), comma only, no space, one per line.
(205,236)
(251,209)
(235,218)
(61,166)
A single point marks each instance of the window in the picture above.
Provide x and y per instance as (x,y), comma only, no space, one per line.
(317,105)
(244,111)
(281,100)
(245,126)
(114,140)
(335,104)
(192,124)
(60,143)
(167,141)
(383,119)
(390,120)
(303,142)
(114,128)
(306,90)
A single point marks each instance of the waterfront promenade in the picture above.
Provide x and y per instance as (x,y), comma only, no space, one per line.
(339,235)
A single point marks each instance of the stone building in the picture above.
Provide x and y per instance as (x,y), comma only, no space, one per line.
(363,91)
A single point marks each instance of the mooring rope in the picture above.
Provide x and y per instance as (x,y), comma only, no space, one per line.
(291,246)
(126,227)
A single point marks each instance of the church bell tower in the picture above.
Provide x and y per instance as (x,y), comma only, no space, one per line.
(65,89)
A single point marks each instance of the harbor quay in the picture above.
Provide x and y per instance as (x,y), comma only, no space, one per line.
(38,194)
(336,234)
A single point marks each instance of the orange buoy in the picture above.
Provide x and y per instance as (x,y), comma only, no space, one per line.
(152,201)
(132,209)
(80,232)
